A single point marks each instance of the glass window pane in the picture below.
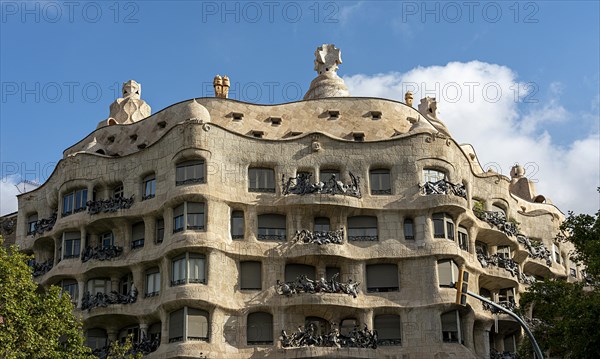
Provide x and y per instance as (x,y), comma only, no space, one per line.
(197,321)
(250,275)
(259,328)
(176,326)
(382,277)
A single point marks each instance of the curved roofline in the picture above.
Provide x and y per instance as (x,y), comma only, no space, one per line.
(241,102)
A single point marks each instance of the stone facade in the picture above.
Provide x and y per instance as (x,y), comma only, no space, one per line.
(207,193)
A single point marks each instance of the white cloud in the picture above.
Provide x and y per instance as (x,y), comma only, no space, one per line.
(479,103)
(8,192)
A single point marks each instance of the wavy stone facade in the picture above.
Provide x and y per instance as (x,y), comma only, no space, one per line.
(200,194)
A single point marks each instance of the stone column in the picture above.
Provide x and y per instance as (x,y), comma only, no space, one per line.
(149,230)
(81,289)
(114,284)
(168,218)
(112,334)
(143,331)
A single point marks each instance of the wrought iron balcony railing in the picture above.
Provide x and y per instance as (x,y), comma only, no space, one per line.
(508,304)
(103,300)
(40,268)
(444,187)
(190,180)
(494,354)
(357,338)
(317,237)
(302,284)
(109,205)
(301,185)
(536,249)
(145,346)
(101,253)
(44,224)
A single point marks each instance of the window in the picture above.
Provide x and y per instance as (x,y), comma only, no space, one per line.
(31,223)
(481,248)
(189,268)
(382,278)
(573,272)
(137,235)
(259,329)
(432,175)
(189,172)
(362,228)
(332,271)
(96,338)
(160,230)
(347,325)
(463,238)
(409,229)
(510,344)
(125,284)
(70,286)
(107,240)
(154,332)
(118,191)
(556,253)
(271,227)
(498,208)
(380,181)
(250,275)
(327,176)
(443,226)
(194,220)
(149,187)
(237,225)
(188,324)
(134,331)
(322,225)
(506,295)
(176,324)
(447,273)
(388,329)
(153,282)
(294,271)
(504,252)
(71,245)
(320,326)
(195,215)
(261,180)
(98,285)
(74,202)
(451,328)
(178,218)
(358,136)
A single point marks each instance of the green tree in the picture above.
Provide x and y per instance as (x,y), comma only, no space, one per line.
(37,323)
(34,323)
(566,314)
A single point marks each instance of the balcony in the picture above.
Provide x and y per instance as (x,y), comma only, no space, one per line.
(145,346)
(494,354)
(320,238)
(109,205)
(302,185)
(102,300)
(508,304)
(302,284)
(101,253)
(535,249)
(498,220)
(444,187)
(44,225)
(357,338)
(39,269)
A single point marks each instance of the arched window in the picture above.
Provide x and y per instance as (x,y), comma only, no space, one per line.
(443,226)
(433,175)
(237,225)
(189,172)
(149,187)
(190,216)
(152,282)
(70,286)
(463,238)
(347,325)
(259,329)
(74,201)
(388,329)
(322,225)
(137,235)
(447,272)
(320,326)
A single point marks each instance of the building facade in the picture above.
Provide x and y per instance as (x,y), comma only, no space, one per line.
(329,227)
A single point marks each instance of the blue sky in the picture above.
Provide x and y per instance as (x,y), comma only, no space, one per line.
(62,64)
